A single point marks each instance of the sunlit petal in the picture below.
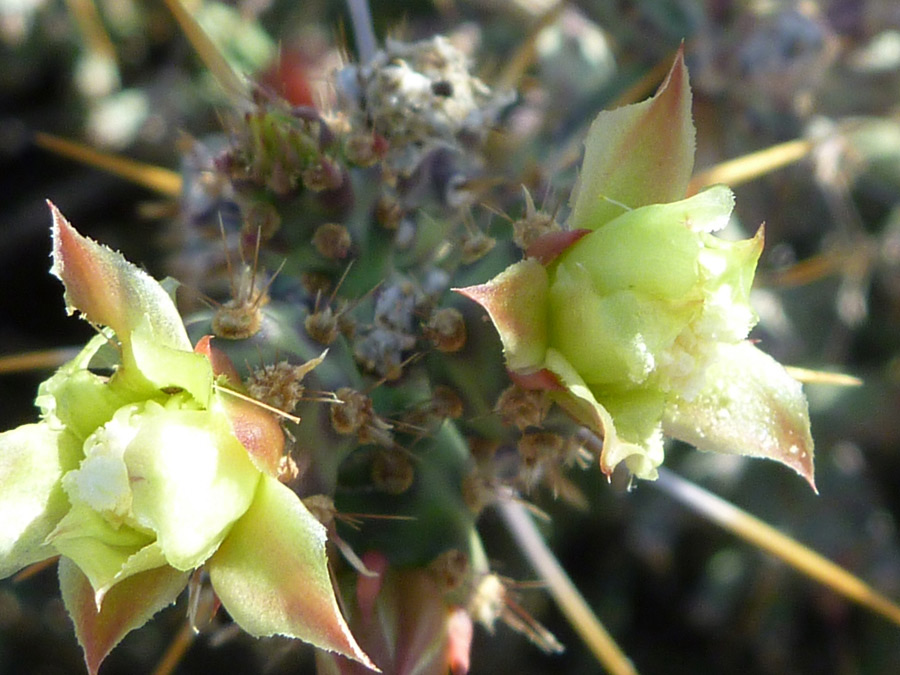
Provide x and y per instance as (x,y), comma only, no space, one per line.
(272,576)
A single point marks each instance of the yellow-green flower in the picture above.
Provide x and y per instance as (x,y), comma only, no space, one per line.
(637,317)
(139,477)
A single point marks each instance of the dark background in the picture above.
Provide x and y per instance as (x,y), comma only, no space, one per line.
(678,594)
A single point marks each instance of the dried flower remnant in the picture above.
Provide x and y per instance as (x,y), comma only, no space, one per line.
(332,241)
(392,471)
(534,225)
(474,245)
(280,385)
(241,317)
(446,330)
(382,348)
(420,95)
(493,601)
(322,325)
(446,403)
(351,411)
(522,407)
(322,175)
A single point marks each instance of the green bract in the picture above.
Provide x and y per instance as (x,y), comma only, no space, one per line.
(637,319)
(140,477)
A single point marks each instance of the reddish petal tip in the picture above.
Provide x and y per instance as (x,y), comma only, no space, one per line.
(548,247)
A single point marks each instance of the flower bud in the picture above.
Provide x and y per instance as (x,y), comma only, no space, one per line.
(633,319)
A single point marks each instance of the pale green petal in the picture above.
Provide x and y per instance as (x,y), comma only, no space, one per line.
(637,155)
(32,460)
(101,481)
(191,479)
(170,368)
(85,401)
(271,574)
(728,268)
(707,211)
(148,558)
(638,412)
(579,402)
(99,548)
(110,291)
(644,464)
(613,338)
(748,405)
(653,249)
(76,398)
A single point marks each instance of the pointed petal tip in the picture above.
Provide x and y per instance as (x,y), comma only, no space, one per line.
(84,268)
(812,483)
(475,293)
(460,633)
(98,632)
(61,232)
(678,72)
(65,236)
(800,460)
(288,591)
(639,154)
(219,360)
(675,90)
(108,290)
(748,406)
(516,300)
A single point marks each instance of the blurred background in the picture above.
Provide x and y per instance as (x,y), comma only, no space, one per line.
(678,594)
